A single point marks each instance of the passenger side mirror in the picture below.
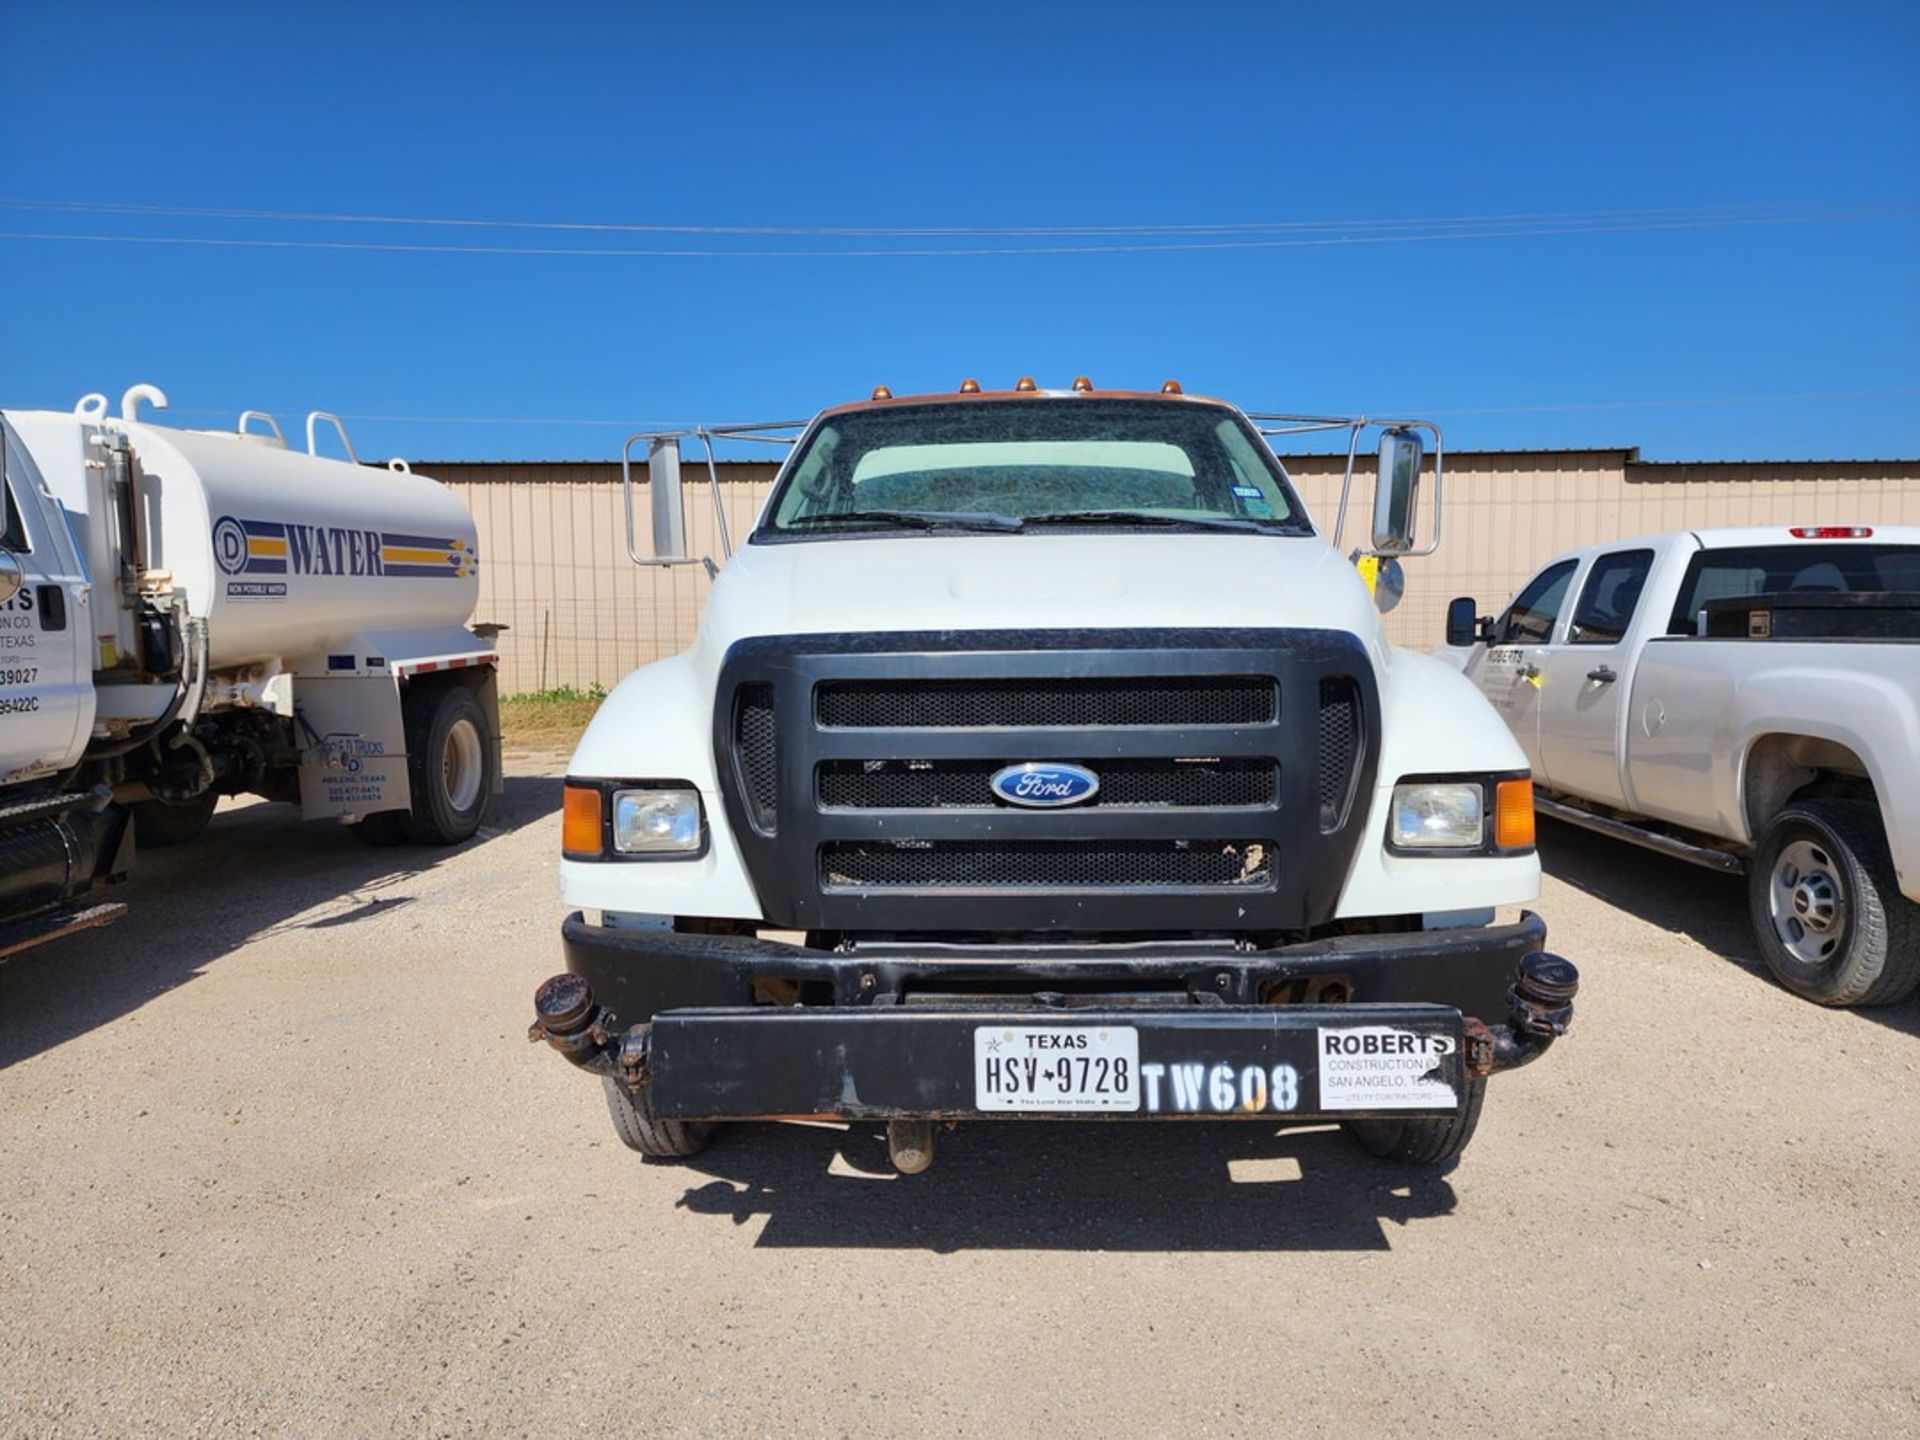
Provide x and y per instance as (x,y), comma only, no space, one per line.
(1396,491)
(12,575)
(665,501)
(1463,621)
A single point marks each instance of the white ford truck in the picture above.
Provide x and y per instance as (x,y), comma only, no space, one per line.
(1745,699)
(1039,756)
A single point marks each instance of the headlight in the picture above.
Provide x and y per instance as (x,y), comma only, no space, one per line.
(1439,816)
(656,822)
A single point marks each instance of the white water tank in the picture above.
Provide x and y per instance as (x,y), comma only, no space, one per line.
(287,555)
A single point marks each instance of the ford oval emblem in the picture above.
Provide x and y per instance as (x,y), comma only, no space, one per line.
(1045,787)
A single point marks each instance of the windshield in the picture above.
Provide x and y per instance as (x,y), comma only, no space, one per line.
(1019,465)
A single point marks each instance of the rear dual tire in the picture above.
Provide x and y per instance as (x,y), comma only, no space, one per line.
(451,764)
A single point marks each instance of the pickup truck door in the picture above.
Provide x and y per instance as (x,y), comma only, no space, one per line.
(1509,673)
(1584,681)
(46,670)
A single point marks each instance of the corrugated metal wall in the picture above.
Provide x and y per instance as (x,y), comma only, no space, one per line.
(554,566)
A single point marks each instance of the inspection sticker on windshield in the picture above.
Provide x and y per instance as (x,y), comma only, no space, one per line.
(1056,1067)
(1384,1067)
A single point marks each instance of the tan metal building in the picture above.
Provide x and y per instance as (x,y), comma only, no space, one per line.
(554,566)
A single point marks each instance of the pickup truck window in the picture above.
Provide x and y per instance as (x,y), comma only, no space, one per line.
(1529,620)
(994,466)
(1609,598)
(1799,567)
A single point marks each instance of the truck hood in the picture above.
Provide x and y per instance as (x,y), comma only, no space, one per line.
(1038,582)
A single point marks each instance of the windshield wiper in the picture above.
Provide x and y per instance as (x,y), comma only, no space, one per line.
(1147,517)
(912,519)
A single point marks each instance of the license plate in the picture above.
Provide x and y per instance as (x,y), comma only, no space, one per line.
(1056,1067)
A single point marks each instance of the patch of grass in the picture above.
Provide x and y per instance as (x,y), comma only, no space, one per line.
(548,719)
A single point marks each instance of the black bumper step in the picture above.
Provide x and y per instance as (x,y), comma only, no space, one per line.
(964,1061)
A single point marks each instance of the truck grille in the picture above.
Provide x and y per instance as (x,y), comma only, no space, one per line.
(1048,865)
(1048,704)
(1188,784)
(756,745)
(1339,748)
(857,769)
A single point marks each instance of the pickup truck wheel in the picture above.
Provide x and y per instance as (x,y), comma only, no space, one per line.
(642,1130)
(450,760)
(1827,910)
(1424,1140)
(157,824)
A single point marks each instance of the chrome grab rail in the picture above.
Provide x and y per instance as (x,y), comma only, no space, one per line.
(338,429)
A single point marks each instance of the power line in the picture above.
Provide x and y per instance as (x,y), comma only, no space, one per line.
(1722,214)
(950,251)
(1685,402)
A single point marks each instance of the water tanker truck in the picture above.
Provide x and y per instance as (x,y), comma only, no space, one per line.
(1039,756)
(187,614)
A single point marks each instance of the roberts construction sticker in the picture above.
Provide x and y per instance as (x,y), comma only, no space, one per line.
(1383,1067)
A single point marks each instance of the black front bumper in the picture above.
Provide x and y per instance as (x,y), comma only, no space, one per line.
(723,1027)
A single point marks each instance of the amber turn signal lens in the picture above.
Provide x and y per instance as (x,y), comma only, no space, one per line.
(1513,815)
(580,822)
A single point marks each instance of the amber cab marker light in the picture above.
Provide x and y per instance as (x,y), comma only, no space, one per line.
(580,827)
(1024,385)
(881,392)
(1172,387)
(1082,385)
(969,386)
(1513,815)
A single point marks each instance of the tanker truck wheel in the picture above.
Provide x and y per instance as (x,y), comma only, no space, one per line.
(450,764)
(157,824)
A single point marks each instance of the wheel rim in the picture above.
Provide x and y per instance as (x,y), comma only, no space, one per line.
(461,765)
(1809,902)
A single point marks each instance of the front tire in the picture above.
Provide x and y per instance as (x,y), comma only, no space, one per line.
(157,824)
(1430,1140)
(640,1129)
(1827,911)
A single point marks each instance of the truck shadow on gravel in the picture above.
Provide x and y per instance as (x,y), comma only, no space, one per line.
(1035,1185)
(1707,907)
(258,870)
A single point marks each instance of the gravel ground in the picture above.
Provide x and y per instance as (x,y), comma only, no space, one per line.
(276,1155)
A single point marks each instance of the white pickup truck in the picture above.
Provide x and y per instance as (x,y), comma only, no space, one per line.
(1746,699)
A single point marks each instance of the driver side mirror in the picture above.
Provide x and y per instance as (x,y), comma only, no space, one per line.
(665,501)
(12,575)
(1396,491)
(1464,625)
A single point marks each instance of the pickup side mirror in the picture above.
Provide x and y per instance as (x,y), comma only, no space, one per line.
(1464,626)
(1396,491)
(665,502)
(12,575)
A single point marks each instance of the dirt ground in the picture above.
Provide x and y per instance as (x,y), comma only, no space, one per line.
(275,1155)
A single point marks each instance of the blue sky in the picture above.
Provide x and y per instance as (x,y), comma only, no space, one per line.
(1352,122)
